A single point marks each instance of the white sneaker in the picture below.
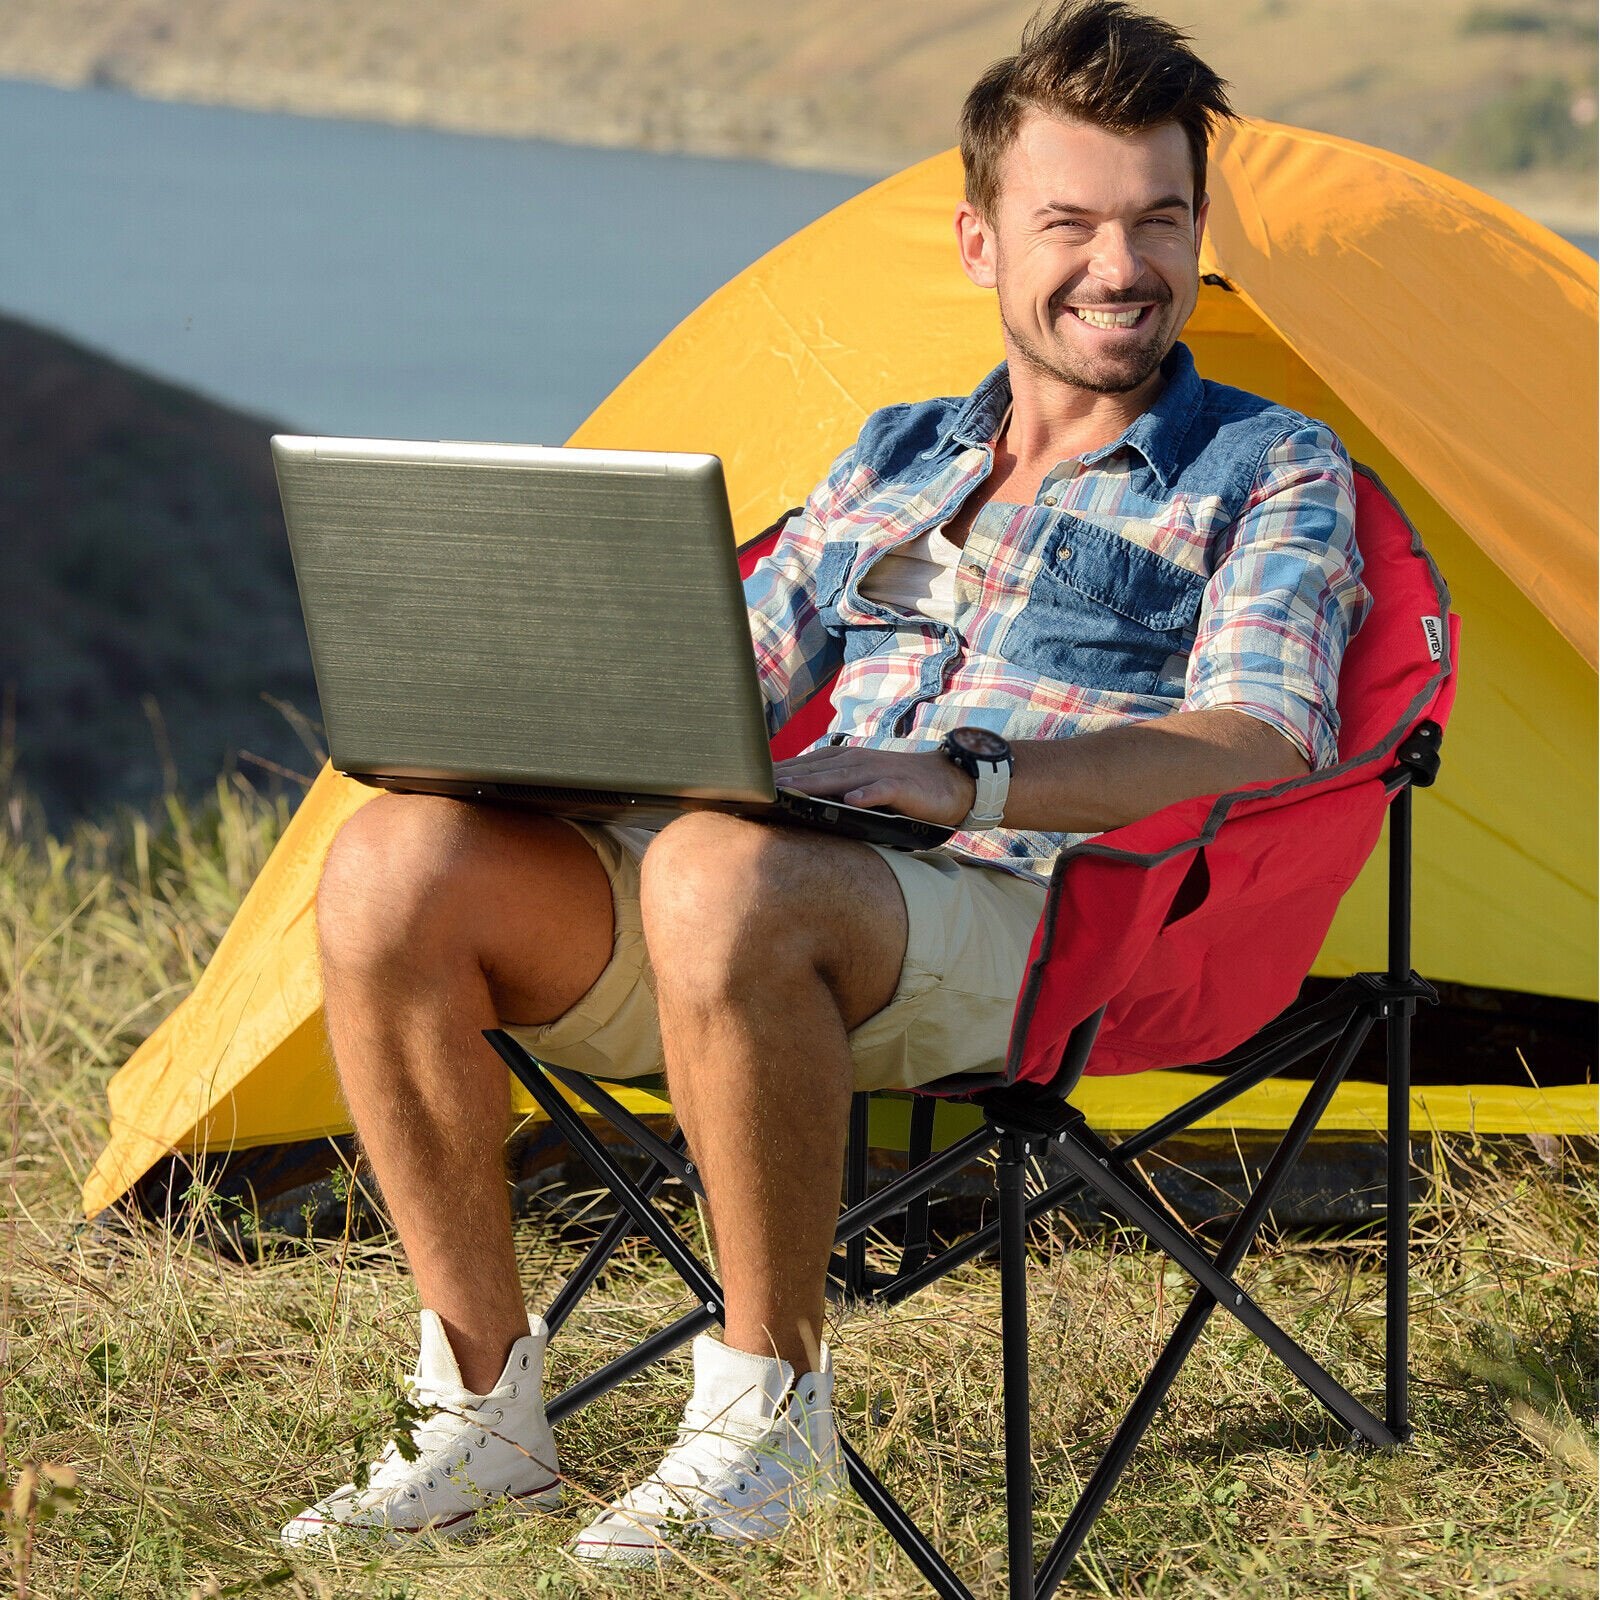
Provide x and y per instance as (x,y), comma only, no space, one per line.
(755,1447)
(474,1452)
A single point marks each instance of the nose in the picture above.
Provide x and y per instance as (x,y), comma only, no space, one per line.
(1113,261)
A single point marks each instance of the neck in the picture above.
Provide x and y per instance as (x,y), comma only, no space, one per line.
(1051,420)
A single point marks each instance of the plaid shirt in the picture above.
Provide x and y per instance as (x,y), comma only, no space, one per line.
(1205,558)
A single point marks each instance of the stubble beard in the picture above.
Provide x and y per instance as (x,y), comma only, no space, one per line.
(1121,374)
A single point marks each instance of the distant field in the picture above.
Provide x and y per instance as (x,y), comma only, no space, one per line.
(1501,94)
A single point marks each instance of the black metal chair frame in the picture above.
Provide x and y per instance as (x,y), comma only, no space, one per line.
(1019,1120)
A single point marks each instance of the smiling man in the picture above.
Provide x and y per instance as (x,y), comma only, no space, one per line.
(1095,586)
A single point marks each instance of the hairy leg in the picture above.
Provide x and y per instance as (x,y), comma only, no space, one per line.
(768,945)
(436,920)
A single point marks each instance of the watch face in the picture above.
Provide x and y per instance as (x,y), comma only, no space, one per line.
(980,742)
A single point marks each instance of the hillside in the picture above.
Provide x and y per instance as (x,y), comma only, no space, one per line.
(146,596)
(1502,94)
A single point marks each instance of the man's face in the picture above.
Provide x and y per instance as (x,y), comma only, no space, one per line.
(1093,248)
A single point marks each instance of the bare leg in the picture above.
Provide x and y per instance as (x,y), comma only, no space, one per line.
(768,946)
(436,920)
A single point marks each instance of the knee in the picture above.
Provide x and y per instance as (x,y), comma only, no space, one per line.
(385,897)
(719,895)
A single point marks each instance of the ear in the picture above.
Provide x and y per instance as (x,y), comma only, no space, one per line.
(1200,221)
(975,239)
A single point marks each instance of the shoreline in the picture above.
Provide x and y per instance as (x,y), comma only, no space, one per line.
(1566,206)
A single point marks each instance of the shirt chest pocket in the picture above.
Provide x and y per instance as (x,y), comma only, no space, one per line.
(1104,612)
(833,569)
(840,557)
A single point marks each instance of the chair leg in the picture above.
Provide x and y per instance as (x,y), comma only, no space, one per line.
(914,1252)
(855,1191)
(1230,1253)
(1397,1244)
(603,1164)
(1136,1202)
(600,1252)
(1398,1012)
(1011,1174)
(870,1490)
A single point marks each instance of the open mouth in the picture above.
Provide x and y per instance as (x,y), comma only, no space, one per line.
(1113,319)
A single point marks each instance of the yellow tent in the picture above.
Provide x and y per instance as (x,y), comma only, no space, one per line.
(1447,338)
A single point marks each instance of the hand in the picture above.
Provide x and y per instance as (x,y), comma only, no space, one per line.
(924,783)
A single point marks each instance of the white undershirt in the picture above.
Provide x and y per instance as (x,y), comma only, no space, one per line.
(918,577)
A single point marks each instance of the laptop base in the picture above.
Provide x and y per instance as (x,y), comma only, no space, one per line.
(885,828)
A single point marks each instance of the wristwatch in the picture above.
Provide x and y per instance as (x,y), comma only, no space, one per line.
(985,758)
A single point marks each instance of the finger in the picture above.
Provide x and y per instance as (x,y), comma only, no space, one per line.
(876,794)
(863,765)
(821,783)
(814,758)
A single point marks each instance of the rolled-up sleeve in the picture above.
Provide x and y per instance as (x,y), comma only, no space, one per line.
(795,651)
(1285,597)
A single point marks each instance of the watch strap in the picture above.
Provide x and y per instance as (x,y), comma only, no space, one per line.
(994,780)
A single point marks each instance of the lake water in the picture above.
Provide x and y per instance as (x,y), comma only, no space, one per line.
(349,277)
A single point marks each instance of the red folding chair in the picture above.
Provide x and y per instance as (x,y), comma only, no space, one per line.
(1175,941)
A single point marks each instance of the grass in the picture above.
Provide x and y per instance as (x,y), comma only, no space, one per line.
(165,1408)
(1543,122)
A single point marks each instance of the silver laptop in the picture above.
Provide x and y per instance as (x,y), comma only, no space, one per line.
(560,629)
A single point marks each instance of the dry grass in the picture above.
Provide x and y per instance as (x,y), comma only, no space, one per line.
(198,1401)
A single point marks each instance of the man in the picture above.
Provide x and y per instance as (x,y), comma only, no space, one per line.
(1096,586)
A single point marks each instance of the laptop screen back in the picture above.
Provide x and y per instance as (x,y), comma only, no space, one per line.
(526,615)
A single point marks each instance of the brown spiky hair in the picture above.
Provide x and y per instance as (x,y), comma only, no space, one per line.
(1095,61)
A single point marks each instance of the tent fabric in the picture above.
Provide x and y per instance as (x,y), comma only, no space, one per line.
(1350,284)
(1381,324)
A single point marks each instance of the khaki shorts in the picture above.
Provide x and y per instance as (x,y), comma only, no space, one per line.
(967,949)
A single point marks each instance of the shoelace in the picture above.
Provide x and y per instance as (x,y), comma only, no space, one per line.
(707,1448)
(452,1412)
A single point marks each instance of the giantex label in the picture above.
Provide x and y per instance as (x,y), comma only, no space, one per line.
(1433,627)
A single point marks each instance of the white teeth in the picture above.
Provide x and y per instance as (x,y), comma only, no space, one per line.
(1108,319)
